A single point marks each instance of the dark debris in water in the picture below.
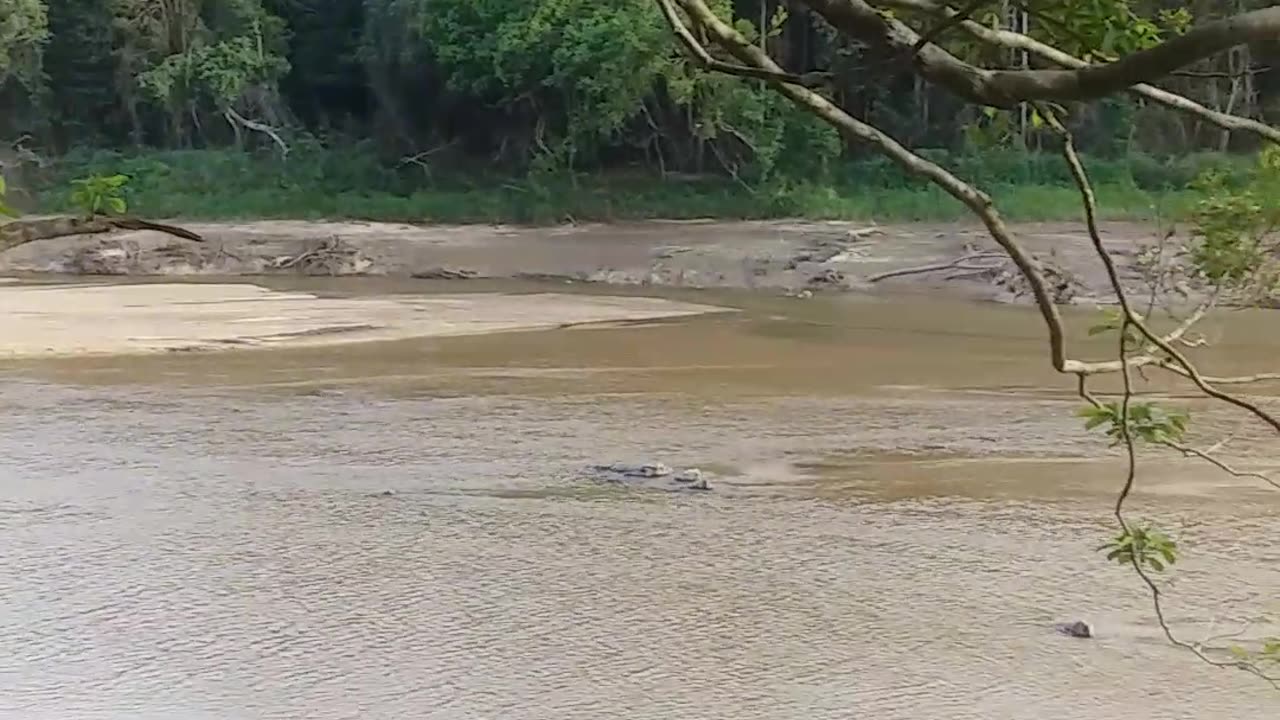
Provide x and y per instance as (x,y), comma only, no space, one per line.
(1077,629)
(656,475)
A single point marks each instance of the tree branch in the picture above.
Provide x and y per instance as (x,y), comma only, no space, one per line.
(949,22)
(860,20)
(1017,41)
(236,119)
(1148,358)
(1179,360)
(957,264)
(1006,88)
(977,201)
(856,131)
(1123,422)
(1229,380)
(1208,457)
(1212,75)
(704,59)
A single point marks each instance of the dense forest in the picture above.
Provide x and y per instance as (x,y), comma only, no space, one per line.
(514,88)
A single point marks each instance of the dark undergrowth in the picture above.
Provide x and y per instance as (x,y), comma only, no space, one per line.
(352,184)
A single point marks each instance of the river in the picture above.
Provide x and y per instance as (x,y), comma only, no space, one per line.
(903,506)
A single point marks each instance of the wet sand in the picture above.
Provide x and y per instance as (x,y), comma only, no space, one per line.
(107,319)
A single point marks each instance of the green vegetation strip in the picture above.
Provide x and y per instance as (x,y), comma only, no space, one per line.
(351,183)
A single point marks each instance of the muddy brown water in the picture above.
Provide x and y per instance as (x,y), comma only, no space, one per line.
(904,505)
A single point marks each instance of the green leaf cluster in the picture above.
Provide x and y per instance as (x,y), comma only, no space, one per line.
(1233,227)
(100,194)
(593,73)
(24,29)
(5,210)
(190,52)
(1143,545)
(1100,30)
(1267,656)
(1147,421)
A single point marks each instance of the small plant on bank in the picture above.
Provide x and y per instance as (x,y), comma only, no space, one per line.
(100,194)
(5,210)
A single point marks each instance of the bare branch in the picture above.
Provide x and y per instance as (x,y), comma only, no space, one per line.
(1216,447)
(420,158)
(1090,207)
(949,22)
(859,19)
(1148,358)
(1207,456)
(1005,88)
(238,120)
(704,59)
(1179,360)
(1208,74)
(1017,41)
(1230,380)
(1196,649)
(1181,365)
(854,130)
(958,263)
(1223,636)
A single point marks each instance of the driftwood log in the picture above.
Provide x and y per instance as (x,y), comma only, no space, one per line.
(21,232)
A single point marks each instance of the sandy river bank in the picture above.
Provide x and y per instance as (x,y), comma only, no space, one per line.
(224,310)
(79,319)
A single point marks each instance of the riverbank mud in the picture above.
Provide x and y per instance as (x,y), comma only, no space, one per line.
(792,257)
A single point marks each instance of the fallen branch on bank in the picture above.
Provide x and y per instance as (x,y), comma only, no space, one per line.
(21,232)
(960,263)
(328,257)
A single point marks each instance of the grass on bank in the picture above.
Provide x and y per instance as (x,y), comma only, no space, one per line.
(348,184)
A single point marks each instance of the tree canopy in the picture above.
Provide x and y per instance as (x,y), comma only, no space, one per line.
(515,84)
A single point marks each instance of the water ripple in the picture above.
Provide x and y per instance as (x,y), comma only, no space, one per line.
(226,558)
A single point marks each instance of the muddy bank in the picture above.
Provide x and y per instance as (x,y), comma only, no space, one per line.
(786,257)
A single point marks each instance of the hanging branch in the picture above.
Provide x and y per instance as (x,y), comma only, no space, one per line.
(860,20)
(1130,320)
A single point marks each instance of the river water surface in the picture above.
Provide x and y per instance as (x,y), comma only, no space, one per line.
(903,506)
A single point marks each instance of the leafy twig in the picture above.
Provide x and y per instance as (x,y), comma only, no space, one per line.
(1130,319)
